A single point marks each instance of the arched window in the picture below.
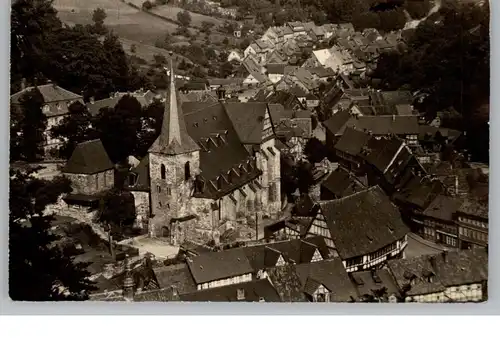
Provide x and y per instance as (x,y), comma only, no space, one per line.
(187,171)
(163,172)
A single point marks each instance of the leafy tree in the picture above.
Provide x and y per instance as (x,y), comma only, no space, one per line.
(161,2)
(304,176)
(225,41)
(226,69)
(116,210)
(184,18)
(75,128)
(315,150)
(38,270)
(98,17)
(28,124)
(160,60)
(133,48)
(147,5)
(32,23)
(119,127)
(365,20)
(117,61)
(417,9)
(206,26)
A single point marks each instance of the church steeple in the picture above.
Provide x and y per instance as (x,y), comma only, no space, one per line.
(173,138)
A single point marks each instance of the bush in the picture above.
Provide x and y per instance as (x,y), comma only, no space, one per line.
(147,5)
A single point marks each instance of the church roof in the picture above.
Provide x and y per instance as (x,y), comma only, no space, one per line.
(174,138)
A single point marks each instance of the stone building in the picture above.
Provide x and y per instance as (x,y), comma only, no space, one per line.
(89,169)
(212,163)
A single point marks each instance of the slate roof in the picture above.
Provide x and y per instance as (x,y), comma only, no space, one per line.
(366,281)
(336,123)
(341,183)
(287,283)
(321,72)
(450,268)
(276,68)
(363,222)
(248,120)
(352,141)
(473,207)
(219,265)
(332,274)
(254,291)
(178,276)
(204,122)
(443,208)
(382,153)
(254,69)
(294,251)
(419,191)
(88,158)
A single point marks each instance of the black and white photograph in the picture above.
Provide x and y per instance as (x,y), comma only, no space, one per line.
(272,151)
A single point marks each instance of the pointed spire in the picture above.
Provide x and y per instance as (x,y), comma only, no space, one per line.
(173,138)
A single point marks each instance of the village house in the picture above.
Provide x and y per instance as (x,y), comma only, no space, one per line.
(368,212)
(452,276)
(285,229)
(218,269)
(349,147)
(275,72)
(341,183)
(56,102)
(252,73)
(234,55)
(340,60)
(144,98)
(376,285)
(472,220)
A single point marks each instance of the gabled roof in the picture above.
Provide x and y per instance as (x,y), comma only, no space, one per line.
(352,141)
(276,68)
(219,265)
(248,120)
(142,173)
(368,281)
(386,125)
(295,251)
(475,208)
(88,158)
(341,183)
(287,283)
(332,274)
(50,92)
(336,123)
(381,153)
(321,71)
(254,291)
(433,273)
(363,223)
(419,191)
(177,276)
(443,207)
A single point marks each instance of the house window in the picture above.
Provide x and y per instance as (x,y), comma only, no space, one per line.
(187,171)
(169,191)
(158,189)
(163,172)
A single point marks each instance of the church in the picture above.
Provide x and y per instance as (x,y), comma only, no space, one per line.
(212,163)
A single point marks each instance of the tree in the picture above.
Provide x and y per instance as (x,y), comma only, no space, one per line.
(116,210)
(304,176)
(38,270)
(226,69)
(184,18)
(315,150)
(119,127)
(206,26)
(160,60)
(98,17)
(225,41)
(75,128)
(147,5)
(133,48)
(28,124)
(417,9)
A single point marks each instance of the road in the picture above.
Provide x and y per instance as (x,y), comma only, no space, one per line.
(411,24)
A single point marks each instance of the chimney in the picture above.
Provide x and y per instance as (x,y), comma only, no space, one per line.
(240,294)
(128,283)
(393,118)
(221,94)
(23,83)
(92,100)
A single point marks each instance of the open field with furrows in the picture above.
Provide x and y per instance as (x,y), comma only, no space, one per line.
(125,21)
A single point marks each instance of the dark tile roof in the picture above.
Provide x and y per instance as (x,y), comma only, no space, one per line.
(475,208)
(276,68)
(321,71)
(386,124)
(297,91)
(219,265)
(368,281)
(443,207)
(178,276)
(254,291)
(382,153)
(419,191)
(363,223)
(225,82)
(352,141)
(50,93)
(294,251)
(285,98)
(341,183)
(248,120)
(332,274)
(204,122)
(433,273)
(89,157)
(287,283)
(336,123)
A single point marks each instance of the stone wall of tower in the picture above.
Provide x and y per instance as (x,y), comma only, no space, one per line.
(270,179)
(172,193)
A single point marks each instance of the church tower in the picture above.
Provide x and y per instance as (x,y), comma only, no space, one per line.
(174,160)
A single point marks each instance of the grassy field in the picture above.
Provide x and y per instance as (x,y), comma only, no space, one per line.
(145,51)
(124,20)
(171,12)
